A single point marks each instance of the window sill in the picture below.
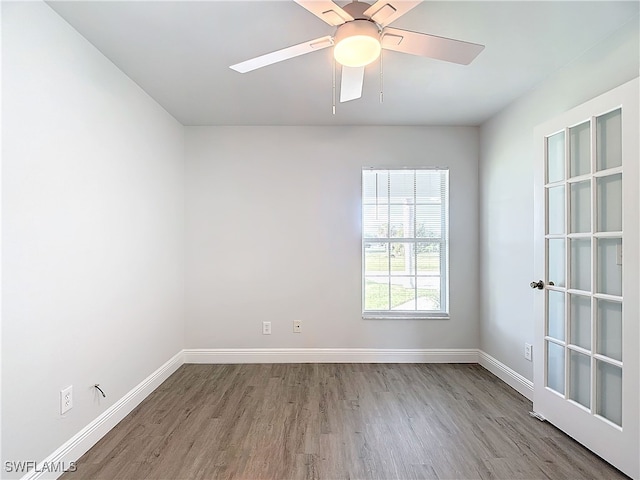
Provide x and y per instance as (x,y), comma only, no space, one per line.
(417,316)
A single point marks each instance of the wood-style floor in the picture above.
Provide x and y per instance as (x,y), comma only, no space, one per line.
(336,421)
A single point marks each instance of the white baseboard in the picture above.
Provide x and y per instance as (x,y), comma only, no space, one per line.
(86,438)
(512,378)
(80,443)
(329,355)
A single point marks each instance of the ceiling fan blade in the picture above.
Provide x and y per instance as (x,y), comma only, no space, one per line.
(442,48)
(351,83)
(284,54)
(383,12)
(326,10)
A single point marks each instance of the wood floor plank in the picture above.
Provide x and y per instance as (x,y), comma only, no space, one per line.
(336,421)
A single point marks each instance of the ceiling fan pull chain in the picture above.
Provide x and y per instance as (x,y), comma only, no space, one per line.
(334,86)
(381,81)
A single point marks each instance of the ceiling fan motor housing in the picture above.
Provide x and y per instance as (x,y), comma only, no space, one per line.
(357,9)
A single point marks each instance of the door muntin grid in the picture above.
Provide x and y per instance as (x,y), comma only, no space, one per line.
(583,268)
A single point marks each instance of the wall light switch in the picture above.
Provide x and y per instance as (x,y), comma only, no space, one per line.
(528,351)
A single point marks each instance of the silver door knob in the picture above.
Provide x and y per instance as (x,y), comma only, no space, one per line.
(539,284)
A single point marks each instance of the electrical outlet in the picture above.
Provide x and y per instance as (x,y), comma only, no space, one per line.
(266,328)
(528,351)
(66,399)
(297,326)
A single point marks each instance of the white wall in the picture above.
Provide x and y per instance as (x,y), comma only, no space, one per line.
(93,223)
(506,190)
(273,233)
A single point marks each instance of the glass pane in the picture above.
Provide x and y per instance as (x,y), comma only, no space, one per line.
(609,266)
(555,267)
(580,207)
(376,258)
(375,221)
(403,293)
(581,321)
(374,186)
(428,221)
(580,149)
(428,258)
(610,329)
(401,186)
(609,392)
(556,315)
(376,293)
(609,140)
(580,378)
(428,293)
(401,221)
(555,367)
(429,185)
(555,223)
(609,203)
(402,259)
(580,264)
(555,158)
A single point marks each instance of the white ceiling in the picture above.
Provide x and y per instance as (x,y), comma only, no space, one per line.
(179,53)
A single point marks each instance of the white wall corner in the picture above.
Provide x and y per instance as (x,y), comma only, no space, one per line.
(512,378)
(329,355)
(86,438)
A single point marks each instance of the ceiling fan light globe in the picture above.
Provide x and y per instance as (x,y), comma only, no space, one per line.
(357,44)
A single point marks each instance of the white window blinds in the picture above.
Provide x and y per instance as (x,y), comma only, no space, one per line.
(405,225)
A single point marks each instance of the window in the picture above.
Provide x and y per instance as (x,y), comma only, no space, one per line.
(405,230)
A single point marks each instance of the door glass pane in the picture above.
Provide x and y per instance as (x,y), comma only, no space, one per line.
(609,140)
(555,158)
(581,321)
(580,378)
(555,367)
(580,207)
(609,318)
(580,149)
(555,267)
(609,203)
(555,327)
(609,392)
(580,264)
(556,210)
(609,278)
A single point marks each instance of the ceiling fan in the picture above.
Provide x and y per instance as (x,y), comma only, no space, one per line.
(360,35)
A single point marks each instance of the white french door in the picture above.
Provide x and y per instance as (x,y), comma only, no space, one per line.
(586,369)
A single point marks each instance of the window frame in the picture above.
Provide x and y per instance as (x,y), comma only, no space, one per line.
(443,241)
